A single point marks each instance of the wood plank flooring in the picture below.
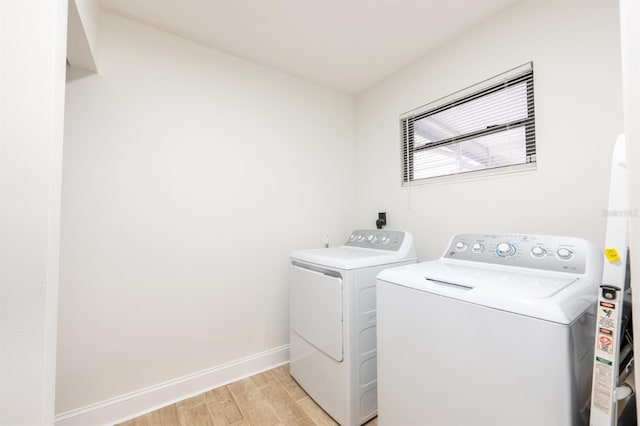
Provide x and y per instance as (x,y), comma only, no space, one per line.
(271,398)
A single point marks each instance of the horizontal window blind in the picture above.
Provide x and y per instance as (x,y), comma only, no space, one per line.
(487,126)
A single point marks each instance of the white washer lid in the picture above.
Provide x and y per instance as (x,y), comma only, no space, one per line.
(511,283)
(557,297)
(345,257)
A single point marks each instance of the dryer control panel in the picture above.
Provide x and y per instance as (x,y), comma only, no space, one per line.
(380,239)
(553,253)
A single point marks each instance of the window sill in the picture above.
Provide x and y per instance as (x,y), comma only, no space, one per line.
(471,176)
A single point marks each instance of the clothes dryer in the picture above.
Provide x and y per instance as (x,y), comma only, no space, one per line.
(333,320)
(498,331)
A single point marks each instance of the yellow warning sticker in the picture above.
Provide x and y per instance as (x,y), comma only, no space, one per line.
(612,255)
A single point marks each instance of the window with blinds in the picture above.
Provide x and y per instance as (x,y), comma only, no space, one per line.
(488,126)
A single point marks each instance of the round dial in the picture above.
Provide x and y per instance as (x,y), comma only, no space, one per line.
(461,246)
(505,250)
(360,237)
(384,240)
(371,238)
(564,254)
(477,248)
(538,252)
(352,237)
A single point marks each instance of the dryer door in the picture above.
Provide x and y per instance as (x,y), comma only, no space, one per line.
(315,301)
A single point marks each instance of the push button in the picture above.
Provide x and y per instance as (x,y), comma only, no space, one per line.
(564,254)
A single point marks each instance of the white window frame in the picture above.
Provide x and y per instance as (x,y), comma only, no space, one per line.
(490,86)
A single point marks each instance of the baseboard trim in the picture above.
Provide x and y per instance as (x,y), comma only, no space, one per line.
(133,404)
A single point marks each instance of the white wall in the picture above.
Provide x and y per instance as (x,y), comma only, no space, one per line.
(189,177)
(575,48)
(32,54)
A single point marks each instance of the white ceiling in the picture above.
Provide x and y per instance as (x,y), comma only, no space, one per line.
(345,44)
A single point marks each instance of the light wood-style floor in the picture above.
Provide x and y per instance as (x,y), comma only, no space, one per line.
(271,398)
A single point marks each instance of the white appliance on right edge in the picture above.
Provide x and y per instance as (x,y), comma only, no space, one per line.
(498,331)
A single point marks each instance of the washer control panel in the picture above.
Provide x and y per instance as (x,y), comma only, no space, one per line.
(379,239)
(561,254)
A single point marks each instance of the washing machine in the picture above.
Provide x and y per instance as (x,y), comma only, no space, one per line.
(333,320)
(498,331)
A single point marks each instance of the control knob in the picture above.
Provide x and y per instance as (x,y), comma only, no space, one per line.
(477,248)
(538,252)
(371,238)
(460,246)
(506,250)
